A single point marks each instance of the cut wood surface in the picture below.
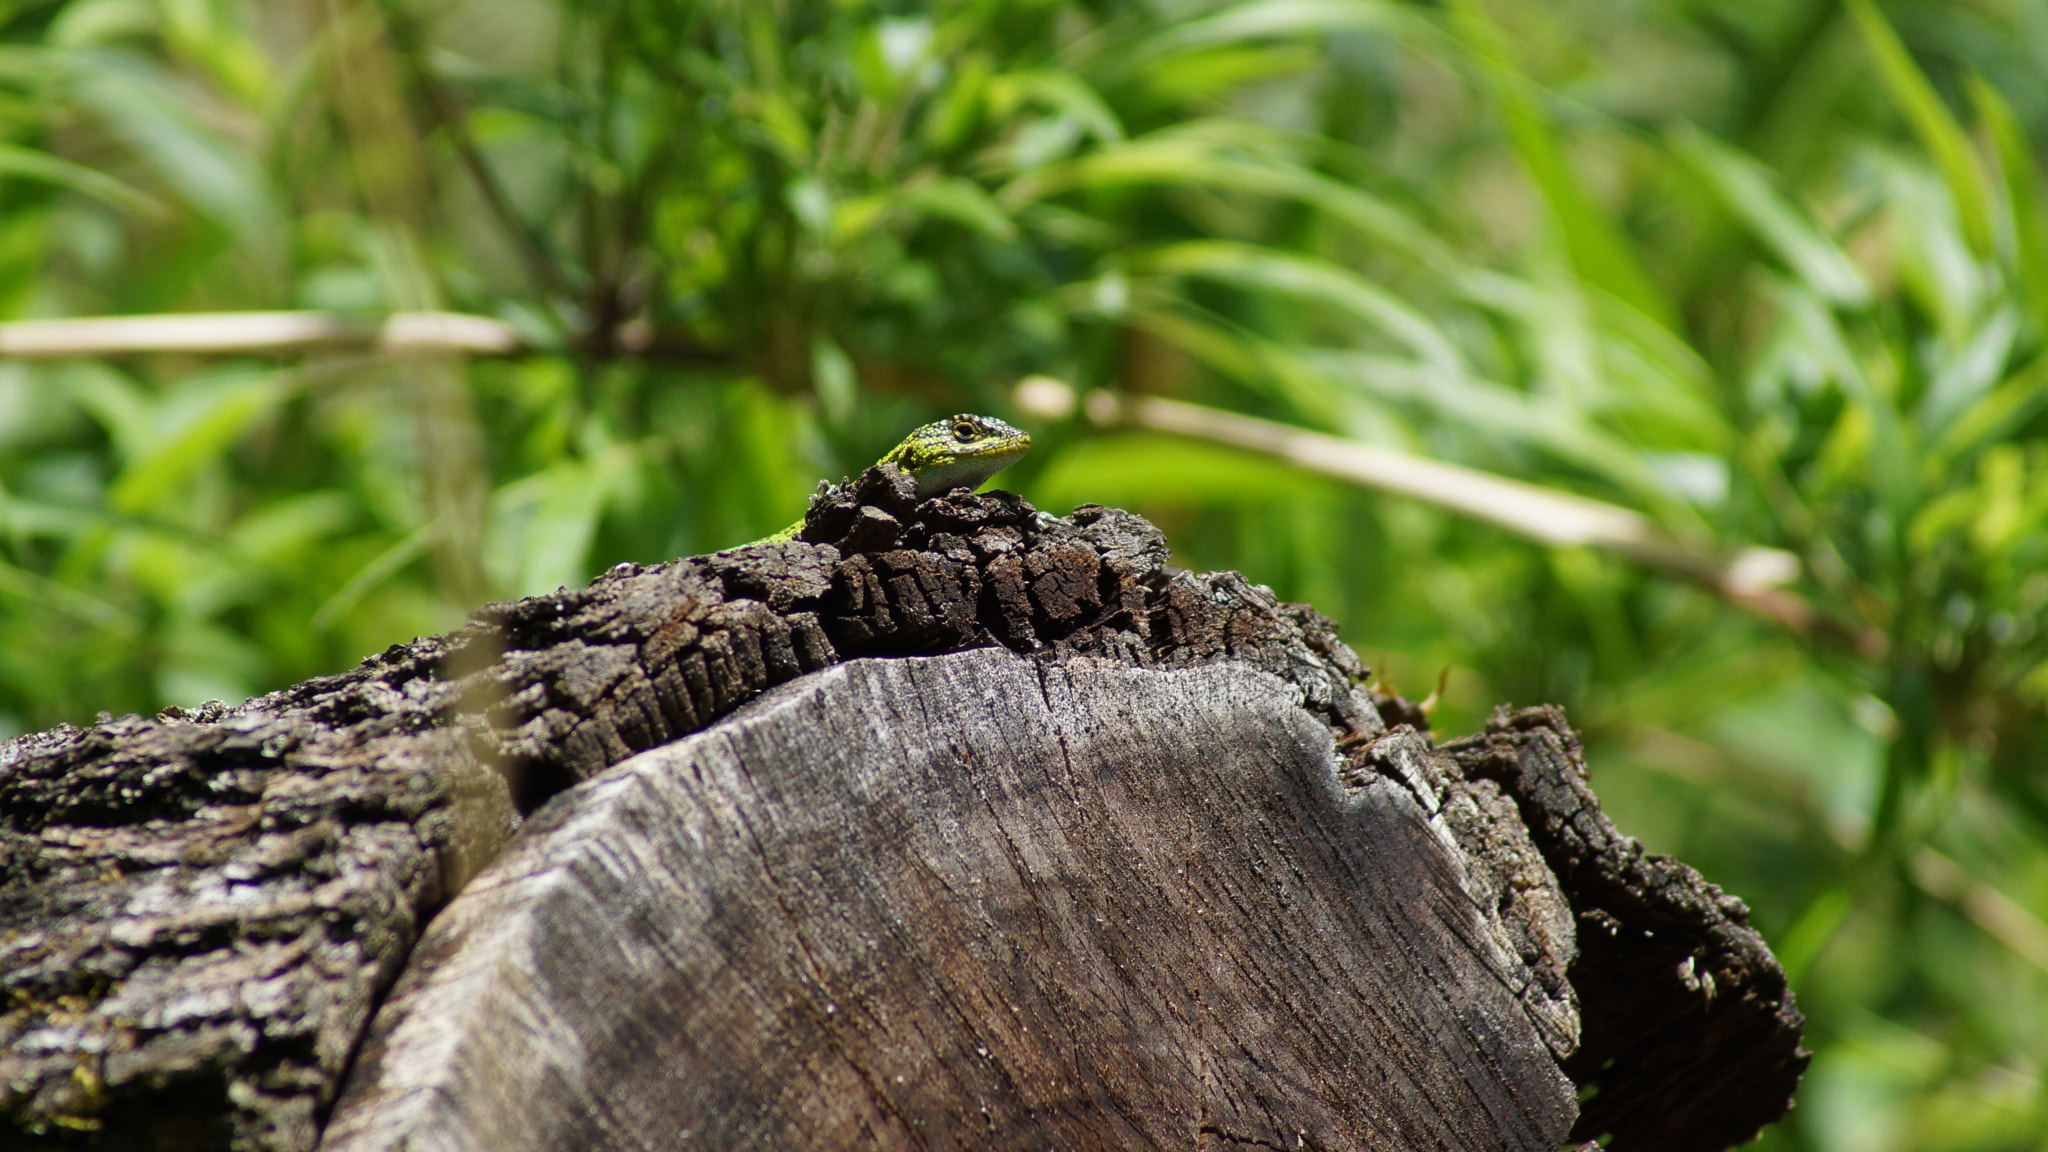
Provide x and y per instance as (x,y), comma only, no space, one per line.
(200,912)
(973,901)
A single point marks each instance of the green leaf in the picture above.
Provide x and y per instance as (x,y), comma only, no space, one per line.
(1598,354)
(1320,384)
(1216,73)
(1809,935)
(1061,91)
(782,127)
(2022,193)
(34,589)
(1964,375)
(290,527)
(1941,517)
(1745,186)
(1931,122)
(1891,456)
(1244,357)
(964,202)
(31,164)
(120,406)
(1310,280)
(84,23)
(1204,160)
(1929,248)
(1277,19)
(833,379)
(957,108)
(370,576)
(558,535)
(1145,468)
(1496,415)
(141,106)
(27,519)
(2001,515)
(1999,414)
(1600,253)
(855,216)
(207,418)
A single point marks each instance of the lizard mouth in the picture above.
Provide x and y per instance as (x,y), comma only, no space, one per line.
(970,468)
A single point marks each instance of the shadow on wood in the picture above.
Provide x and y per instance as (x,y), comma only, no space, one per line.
(201,912)
(974,901)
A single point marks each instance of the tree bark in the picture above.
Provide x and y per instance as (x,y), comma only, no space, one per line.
(1256,906)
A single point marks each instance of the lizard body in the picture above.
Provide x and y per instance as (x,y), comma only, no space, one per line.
(960,451)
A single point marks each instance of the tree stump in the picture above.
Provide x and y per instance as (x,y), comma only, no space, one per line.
(970,901)
(994,831)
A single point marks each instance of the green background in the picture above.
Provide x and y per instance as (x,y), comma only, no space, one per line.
(1770,274)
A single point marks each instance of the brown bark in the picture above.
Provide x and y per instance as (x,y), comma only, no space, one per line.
(1691,1038)
(200,913)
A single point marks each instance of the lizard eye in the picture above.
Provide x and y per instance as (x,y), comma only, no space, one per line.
(963,431)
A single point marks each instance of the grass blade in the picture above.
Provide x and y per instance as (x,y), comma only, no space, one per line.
(2022,193)
(1931,122)
(1892,460)
(1186,160)
(1745,187)
(216,414)
(1273,19)
(1600,253)
(33,165)
(1312,280)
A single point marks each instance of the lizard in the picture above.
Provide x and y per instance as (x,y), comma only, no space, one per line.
(960,451)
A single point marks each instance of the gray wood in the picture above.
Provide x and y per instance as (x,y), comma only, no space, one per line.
(201,911)
(981,901)
(199,915)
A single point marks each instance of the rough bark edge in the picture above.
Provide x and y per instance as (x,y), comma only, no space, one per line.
(389,769)
(1691,1035)
(1522,904)
(200,911)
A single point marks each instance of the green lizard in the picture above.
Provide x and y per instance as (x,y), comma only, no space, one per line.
(957,452)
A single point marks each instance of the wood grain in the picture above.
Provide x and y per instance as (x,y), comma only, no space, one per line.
(199,911)
(980,901)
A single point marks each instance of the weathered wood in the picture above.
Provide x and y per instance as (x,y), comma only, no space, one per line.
(1691,1036)
(199,915)
(976,901)
(199,912)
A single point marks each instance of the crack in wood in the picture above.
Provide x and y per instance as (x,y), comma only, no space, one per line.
(141,859)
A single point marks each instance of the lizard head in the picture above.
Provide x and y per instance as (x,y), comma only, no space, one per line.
(958,452)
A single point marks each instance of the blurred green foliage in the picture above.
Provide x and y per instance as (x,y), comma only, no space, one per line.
(1771,274)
